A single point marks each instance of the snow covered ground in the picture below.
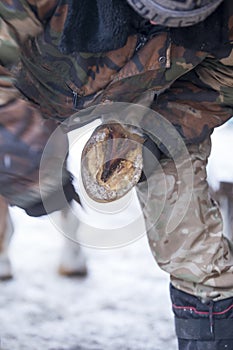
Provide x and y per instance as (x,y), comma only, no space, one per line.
(123,303)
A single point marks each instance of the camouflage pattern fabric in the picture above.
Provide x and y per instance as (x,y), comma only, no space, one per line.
(62,84)
(9,55)
(8,48)
(191,89)
(193,251)
(23,136)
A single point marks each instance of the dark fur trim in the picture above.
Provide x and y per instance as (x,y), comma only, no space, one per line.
(210,35)
(104,25)
(96,26)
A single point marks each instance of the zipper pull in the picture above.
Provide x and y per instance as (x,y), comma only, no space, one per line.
(75,99)
(142,39)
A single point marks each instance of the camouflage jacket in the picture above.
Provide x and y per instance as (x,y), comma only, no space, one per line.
(59,85)
(193,89)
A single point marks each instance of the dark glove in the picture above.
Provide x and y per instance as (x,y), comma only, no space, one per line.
(151,155)
(55,201)
(24,134)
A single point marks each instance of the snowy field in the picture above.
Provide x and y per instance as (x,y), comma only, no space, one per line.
(122,304)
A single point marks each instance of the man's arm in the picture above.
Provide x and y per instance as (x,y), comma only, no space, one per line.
(20,18)
(23,136)
(17,23)
(8,48)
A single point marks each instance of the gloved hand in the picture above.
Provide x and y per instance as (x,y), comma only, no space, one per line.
(151,155)
(113,160)
(23,137)
(55,201)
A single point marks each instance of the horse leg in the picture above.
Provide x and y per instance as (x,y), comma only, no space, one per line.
(72,260)
(6,232)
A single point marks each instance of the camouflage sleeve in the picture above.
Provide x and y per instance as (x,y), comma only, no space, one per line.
(202,99)
(8,46)
(17,22)
(199,101)
(23,135)
(21,18)
(24,18)
(8,56)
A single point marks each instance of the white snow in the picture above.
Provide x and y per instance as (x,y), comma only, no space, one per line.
(122,304)
(220,165)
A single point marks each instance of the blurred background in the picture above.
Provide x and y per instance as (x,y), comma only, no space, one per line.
(123,302)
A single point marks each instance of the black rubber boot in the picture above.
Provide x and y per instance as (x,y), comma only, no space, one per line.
(202,325)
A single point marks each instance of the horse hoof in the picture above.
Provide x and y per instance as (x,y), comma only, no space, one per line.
(80,272)
(5,269)
(73,264)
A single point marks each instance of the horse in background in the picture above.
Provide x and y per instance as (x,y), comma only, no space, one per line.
(72,259)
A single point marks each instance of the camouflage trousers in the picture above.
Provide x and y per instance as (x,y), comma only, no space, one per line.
(185,228)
